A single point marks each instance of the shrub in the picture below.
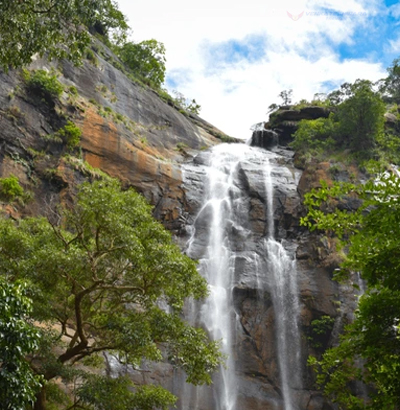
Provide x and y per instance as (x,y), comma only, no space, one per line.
(44,83)
(181,146)
(71,134)
(73,90)
(320,331)
(361,116)
(10,188)
(315,135)
(146,60)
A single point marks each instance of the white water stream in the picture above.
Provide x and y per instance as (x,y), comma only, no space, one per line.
(223,215)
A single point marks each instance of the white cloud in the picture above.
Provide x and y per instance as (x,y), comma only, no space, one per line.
(297,54)
(394,45)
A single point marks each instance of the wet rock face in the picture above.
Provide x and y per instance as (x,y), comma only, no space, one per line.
(253,315)
(264,139)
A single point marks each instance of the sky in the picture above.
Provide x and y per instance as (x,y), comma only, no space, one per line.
(235,57)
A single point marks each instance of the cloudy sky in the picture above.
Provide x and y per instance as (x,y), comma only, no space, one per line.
(234,57)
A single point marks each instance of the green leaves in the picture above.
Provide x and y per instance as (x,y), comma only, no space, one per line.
(10,188)
(314,135)
(369,351)
(146,59)
(105,393)
(44,83)
(18,384)
(55,27)
(101,275)
(361,116)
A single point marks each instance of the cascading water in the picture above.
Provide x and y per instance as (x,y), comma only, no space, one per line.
(220,233)
(283,283)
(223,198)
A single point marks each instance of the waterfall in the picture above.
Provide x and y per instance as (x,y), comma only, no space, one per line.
(220,233)
(222,199)
(283,282)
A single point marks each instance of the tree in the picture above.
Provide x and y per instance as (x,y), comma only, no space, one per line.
(372,236)
(55,27)
(185,103)
(107,277)
(360,116)
(286,96)
(146,59)
(18,338)
(391,84)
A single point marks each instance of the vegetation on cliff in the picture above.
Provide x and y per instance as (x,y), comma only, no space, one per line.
(369,350)
(357,130)
(360,123)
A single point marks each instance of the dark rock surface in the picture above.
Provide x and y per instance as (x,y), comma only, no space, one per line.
(283,124)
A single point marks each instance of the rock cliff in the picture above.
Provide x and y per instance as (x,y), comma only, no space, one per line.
(130,133)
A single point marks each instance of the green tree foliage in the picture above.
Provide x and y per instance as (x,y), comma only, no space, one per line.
(10,188)
(71,134)
(18,338)
(314,135)
(51,26)
(391,84)
(185,103)
(102,392)
(360,116)
(101,273)
(372,237)
(108,21)
(146,59)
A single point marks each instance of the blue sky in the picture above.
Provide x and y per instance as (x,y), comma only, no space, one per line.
(234,57)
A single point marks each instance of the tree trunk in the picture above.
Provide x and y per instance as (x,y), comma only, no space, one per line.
(40,403)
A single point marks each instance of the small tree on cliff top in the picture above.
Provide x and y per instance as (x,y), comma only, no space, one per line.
(98,278)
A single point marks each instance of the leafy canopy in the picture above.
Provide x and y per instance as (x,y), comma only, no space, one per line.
(55,27)
(101,273)
(360,116)
(372,236)
(146,59)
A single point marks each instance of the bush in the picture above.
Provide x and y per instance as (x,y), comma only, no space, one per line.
(71,134)
(10,188)
(320,331)
(46,84)
(317,135)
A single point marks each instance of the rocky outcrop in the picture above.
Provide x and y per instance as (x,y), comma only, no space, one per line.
(283,123)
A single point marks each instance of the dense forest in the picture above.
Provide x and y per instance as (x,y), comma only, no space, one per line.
(90,277)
